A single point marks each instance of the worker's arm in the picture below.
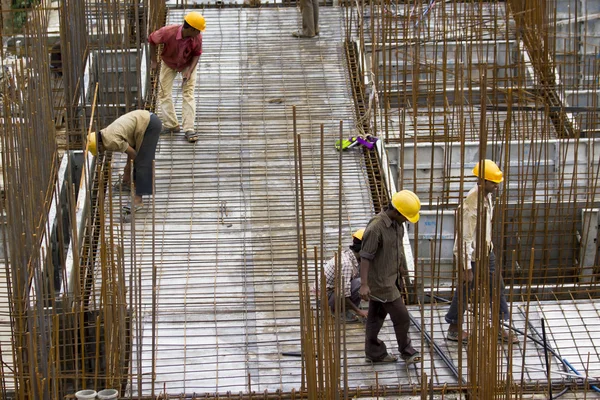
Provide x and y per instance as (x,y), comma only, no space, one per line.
(153,58)
(187,73)
(466,238)
(351,306)
(131,153)
(370,244)
(364,290)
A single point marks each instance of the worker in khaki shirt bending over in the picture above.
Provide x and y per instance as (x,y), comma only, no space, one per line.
(382,262)
(490,176)
(136,134)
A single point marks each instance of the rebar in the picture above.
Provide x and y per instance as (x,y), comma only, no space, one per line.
(206,289)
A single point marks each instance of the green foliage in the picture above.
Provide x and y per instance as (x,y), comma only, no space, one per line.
(19,17)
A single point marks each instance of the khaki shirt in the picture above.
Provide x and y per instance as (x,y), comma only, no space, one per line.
(127,130)
(468,211)
(382,246)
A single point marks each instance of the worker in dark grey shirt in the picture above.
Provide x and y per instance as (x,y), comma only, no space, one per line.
(382,262)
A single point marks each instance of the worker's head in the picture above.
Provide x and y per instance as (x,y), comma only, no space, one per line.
(357,240)
(92,143)
(489,174)
(193,24)
(407,205)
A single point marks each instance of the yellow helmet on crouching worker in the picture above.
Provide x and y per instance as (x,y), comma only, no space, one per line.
(195,20)
(92,143)
(491,171)
(357,240)
(359,234)
(408,204)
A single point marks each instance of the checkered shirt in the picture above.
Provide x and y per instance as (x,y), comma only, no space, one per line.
(349,270)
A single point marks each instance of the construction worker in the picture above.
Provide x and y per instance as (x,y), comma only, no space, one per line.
(350,273)
(382,262)
(136,134)
(182,47)
(465,246)
(310,19)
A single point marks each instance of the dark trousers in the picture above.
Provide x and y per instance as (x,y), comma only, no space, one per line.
(142,165)
(354,295)
(375,348)
(452,316)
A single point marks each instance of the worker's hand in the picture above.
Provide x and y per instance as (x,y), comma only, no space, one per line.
(468,275)
(364,291)
(363,313)
(153,65)
(185,74)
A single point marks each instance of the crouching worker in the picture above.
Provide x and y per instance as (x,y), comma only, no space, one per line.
(350,284)
(136,134)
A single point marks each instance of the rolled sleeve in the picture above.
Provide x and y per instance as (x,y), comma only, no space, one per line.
(156,37)
(123,146)
(113,143)
(370,244)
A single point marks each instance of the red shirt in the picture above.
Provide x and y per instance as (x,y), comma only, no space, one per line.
(178,51)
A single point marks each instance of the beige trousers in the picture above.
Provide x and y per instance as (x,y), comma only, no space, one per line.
(164,100)
(310,17)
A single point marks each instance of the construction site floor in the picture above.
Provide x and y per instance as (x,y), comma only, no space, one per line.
(225,222)
(223,235)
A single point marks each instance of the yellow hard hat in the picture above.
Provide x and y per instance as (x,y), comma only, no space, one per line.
(92,143)
(408,204)
(491,171)
(359,234)
(195,20)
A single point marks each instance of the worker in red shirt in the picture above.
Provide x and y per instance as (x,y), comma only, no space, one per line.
(182,47)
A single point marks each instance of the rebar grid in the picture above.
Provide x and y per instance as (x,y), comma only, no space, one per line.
(450,74)
(219,318)
(59,343)
(29,167)
(225,204)
(458,82)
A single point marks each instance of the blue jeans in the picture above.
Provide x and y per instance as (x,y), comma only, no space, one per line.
(453,313)
(142,164)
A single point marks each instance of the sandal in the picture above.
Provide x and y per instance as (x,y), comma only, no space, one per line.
(121,187)
(454,336)
(389,358)
(298,34)
(127,207)
(168,131)
(191,136)
(412,358)
(507,337)
(351,317)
